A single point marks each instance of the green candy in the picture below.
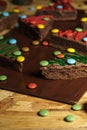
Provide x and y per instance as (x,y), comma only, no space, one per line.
(1,37)
(17,53)
(70,118)
(43,112)
(3,77)
(56,52)
(44,63)
(46,19)
(76,107)
(79,29)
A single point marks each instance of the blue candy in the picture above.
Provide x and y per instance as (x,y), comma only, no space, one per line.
(23,16)
(12,41)
(71,61)
(5,14)
(59,6)
(85,39)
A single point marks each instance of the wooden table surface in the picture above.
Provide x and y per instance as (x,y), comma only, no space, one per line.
(19,112)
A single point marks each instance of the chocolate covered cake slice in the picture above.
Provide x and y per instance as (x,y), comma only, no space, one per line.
(7,20)
(36,27)
(65,66)
(10,54)
(76,38)
(60,9)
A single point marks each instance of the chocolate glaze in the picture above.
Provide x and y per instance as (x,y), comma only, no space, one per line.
(67,91)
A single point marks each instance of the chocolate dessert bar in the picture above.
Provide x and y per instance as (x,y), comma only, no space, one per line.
(76,38)
(36,27)
(65,66)
(60,10)
(7,20)
(10,54)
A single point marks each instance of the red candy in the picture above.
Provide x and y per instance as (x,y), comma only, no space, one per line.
(45,43)
(60,56)
(32,85)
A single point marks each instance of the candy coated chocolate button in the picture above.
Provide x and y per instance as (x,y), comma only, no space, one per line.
(36,42)
(50,4)
(76,107)
(71,50)
(55,30)
(16,10)
(60,55)
(38,7)
(3,77)
(40,26)
(23,16)
(45,43)
(32,85)
(56,52)
(59,6)
(20,58)
(32,8)
(79,29)
(5,14)
(12,41)
(44,63)
(25,49)
(84,19)
(46,19)
(1,37)
(17,53)
(70,118)
(43,112)
(71,61)
(85,39)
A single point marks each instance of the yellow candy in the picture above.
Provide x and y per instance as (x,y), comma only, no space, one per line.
(55,30)
(16,10)
(25,49)
(71,50)
(84,19)
(40,26)
(20,58)
(36,42)
(38,7)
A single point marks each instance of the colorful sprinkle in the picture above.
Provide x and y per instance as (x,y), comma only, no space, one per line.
(59,7)
(43,112)
(20,58)
(46,19)
(32,8)
(44,63)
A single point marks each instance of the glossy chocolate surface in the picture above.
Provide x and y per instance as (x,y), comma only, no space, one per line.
(67,91)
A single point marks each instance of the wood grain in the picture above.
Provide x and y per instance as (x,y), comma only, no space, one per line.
(19,112)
